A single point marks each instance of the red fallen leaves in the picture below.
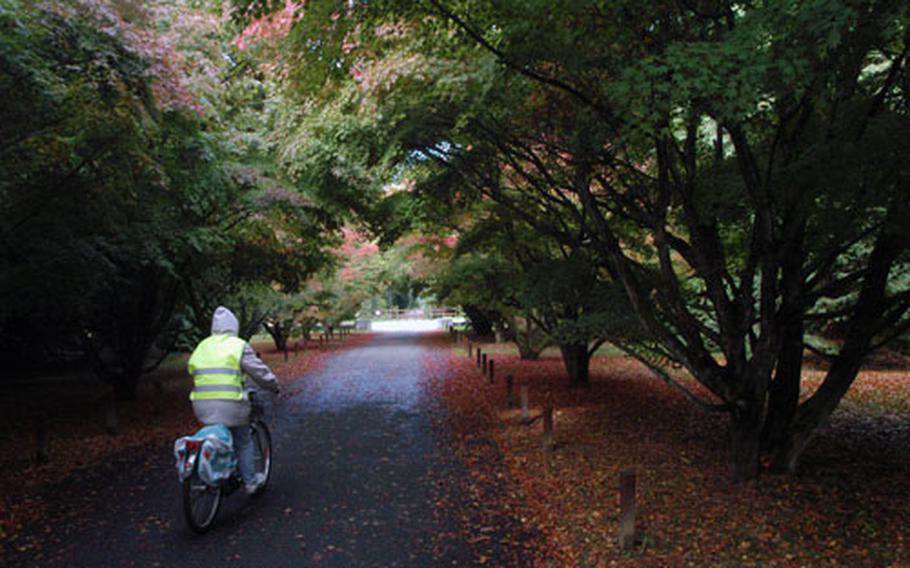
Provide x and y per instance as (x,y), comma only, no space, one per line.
(848,506)
(470,420)
(76,429)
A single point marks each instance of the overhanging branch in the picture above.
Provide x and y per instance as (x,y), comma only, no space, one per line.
(664,376)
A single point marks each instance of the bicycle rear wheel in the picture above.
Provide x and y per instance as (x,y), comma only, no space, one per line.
(200,503)
(262,451)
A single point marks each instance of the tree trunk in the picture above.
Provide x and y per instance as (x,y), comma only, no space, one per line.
(526,350)
(529,338)
(869,307)
(279,335)
(814,412)
(480,321)
(576,359)
(783,396)
(746,429)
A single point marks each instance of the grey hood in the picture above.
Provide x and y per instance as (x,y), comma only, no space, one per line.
(224,322)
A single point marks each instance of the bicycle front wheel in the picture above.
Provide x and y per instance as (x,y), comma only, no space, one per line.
(262,451)
(200,503)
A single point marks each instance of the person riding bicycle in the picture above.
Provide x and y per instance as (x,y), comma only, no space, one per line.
(218,365)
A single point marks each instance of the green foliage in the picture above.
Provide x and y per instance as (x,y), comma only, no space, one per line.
(126,218)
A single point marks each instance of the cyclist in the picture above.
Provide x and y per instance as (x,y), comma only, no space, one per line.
(218,366)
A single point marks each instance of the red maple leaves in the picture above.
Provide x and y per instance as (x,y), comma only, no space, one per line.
(839,511)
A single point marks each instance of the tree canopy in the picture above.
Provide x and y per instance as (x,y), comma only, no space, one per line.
(712,185)
(737,169)
(137,187)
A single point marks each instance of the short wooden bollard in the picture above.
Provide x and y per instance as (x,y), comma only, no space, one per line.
(42,450)
(548,429)
(510,395)
(627,509)
(492,371)
(478,357)
(523,393)
(484,365)
(470,347)
(296,348)
(320,341)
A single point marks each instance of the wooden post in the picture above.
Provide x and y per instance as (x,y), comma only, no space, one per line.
(548,428)
(492,371)
(523,393)
(510,395)
(484,366)
(478,357)
(42,450)
(627,509)
(469,349)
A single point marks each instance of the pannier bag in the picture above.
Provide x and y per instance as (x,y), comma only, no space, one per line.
(216,456)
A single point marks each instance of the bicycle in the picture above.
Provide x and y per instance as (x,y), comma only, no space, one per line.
(202,499)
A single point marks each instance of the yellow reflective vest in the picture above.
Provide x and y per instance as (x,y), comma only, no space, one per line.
(215,367)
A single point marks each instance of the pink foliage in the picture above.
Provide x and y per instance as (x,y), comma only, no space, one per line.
(353,252)
(166,65)
(355,245)
(382,74)
(351,40)
(270,28)
(350,274)
(389,31)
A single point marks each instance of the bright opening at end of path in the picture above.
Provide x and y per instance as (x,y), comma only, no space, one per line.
(412,325)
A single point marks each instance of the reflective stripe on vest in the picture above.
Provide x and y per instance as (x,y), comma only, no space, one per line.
(215,367)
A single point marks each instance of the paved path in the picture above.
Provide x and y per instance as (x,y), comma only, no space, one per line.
(358,472)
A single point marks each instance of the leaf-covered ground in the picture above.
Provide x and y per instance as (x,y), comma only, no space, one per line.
(847,505)
(76,424)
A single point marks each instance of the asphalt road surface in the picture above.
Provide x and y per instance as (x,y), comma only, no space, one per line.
(358,475)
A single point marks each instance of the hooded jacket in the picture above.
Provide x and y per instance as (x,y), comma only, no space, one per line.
(235,412)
